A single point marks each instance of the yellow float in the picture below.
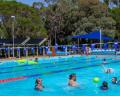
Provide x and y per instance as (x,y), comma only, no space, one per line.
(32,62)
(21,61)
(26,61)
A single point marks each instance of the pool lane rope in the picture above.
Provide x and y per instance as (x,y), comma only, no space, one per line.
(50,66)
(46,73)
(42,63)
(12,79)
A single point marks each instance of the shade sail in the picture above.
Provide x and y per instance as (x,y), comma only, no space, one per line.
(92,35)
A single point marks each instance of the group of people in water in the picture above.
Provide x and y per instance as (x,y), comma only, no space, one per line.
(72,80)
(114,79)
(105,84)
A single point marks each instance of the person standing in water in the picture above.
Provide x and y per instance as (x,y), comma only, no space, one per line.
(106,70)
(72,80)
(38,85)
(104,86)
(115,81)
(104,61)
(36,59)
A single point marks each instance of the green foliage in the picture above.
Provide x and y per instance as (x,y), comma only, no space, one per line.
(116,16)
(27,19)
(74,17)
(61,17)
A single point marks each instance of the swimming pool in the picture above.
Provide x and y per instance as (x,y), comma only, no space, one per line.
(55,71)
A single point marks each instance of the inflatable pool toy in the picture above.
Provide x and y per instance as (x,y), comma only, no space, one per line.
(96,79)
(25,61)
(21,61)
(32,62)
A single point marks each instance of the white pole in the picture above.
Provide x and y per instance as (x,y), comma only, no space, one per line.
(37,51)
(27,52)
(13,17)
(100,39)
(78,42)
(8,52)
(118,3)
(55,38)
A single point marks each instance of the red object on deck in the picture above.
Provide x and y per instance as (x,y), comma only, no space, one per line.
(12,79)
(53,51)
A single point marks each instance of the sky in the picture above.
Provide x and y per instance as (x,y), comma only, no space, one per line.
(29,2)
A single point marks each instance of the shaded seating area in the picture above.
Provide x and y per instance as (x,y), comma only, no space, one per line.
(6,47)
(59,50)
(20,41)
(10,41)
(34,41)
(105,49)
(58,53)
(93,35)
(103,52)
(98,48)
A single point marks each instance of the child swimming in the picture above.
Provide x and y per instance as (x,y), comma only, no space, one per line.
(109,70)
(72,80)
(36,59)
(115,81)
(104,61)
(106,70)
(38,84)
(104,86)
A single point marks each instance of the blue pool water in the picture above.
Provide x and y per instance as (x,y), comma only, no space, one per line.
(55,71)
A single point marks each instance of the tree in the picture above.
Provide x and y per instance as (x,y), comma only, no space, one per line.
(116,16)
(27,19)
(72,17)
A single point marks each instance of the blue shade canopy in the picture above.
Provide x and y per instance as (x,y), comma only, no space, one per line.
(92,35)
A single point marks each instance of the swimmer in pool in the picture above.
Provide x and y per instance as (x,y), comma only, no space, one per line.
(104,86)
(104,61)
(115,81)
(109,70)
(36,59)
(38,85)
(72,80)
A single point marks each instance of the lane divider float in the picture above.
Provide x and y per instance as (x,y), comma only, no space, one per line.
(12,79)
